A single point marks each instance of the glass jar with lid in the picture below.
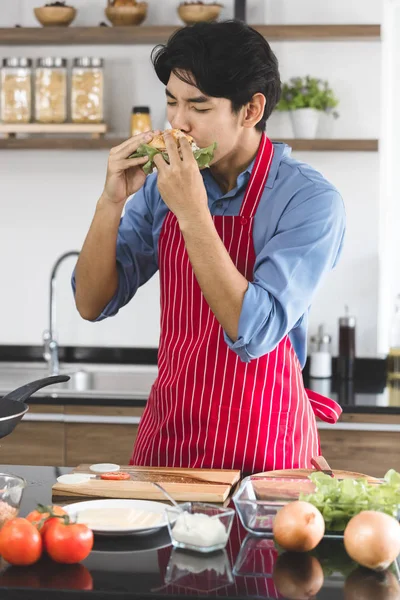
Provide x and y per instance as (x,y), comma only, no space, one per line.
(87,90)
(140,120)
(51,90)
(16,90)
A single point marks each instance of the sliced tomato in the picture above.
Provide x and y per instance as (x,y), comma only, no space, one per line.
(117,476)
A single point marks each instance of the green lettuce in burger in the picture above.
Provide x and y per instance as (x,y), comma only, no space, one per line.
(203,156)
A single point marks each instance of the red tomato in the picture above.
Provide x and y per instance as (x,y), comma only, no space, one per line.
(68,543)
(20,542)
(118,476)
(42,521)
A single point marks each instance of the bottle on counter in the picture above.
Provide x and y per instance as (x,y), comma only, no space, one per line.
(393,359)
(320,357)
(51,90)
(347,346)
(140,120)
(16,90)
(87,90)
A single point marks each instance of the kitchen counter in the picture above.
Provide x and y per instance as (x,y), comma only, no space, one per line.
(148,567)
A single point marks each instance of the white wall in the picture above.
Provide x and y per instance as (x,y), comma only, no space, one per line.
(47,198)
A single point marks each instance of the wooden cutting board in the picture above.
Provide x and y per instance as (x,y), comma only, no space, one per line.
(289,483)
(202,485)
(305,473)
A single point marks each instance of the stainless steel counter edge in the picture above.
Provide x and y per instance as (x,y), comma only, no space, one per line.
(382,427)
(117,420)
(90,419)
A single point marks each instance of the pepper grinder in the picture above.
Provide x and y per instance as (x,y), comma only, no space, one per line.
(347,346)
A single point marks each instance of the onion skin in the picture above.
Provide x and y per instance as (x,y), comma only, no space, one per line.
(298,527)
(363,584)
(372,539)
(298,576)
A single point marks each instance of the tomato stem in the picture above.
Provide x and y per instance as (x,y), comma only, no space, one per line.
(42,508)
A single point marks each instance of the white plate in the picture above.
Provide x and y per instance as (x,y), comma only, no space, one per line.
(115,505)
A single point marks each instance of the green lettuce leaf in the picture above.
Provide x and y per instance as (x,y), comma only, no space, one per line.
(203,156)
(340,499)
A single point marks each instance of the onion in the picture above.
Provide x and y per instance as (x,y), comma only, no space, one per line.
(372,539)
(362,584)
(298,576)
(298,526)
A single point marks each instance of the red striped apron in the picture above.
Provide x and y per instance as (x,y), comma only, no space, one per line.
(207,408)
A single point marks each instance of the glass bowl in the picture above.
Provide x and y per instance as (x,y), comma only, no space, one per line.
(258,499)
(199,527)
(11,490)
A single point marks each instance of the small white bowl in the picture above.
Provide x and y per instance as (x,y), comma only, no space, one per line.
(104,468)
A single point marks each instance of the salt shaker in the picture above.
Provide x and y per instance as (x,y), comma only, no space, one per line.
(347,346)
(321,359)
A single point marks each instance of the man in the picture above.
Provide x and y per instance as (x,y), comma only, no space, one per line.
(241,247)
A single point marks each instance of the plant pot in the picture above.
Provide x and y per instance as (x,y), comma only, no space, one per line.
(305,122)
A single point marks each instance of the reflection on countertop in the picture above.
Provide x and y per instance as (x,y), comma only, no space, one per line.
(355,397)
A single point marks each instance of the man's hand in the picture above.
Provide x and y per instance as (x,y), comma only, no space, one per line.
(125,176)
(180,183)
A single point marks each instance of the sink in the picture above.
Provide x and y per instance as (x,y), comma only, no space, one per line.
(87,379)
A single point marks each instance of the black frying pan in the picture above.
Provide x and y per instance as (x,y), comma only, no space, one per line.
(13,407)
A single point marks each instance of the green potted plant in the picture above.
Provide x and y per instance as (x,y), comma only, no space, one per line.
(306,98)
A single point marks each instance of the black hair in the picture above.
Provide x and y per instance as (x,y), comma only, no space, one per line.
(225,59)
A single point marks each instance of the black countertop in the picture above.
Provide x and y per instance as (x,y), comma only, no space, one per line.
(147,566)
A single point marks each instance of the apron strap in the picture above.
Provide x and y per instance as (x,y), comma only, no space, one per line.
(258,178)
(325,408)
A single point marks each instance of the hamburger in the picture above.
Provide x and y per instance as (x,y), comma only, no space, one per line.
(203,156)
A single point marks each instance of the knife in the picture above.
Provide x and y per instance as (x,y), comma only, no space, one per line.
(321,464)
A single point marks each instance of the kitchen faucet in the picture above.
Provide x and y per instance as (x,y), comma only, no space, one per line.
(50,350)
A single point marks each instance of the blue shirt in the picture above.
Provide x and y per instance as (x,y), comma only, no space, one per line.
(298,234)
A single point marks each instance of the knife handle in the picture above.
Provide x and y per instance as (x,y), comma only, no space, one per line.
(320,463)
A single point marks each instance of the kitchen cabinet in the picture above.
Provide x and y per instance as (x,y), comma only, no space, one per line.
(70,435)
(102,435)
(363,449)
(373,453)
(36,442)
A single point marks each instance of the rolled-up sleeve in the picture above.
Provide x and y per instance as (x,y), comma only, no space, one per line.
(136,256)
(288,272)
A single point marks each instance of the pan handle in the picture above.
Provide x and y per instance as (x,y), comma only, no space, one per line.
(25,391)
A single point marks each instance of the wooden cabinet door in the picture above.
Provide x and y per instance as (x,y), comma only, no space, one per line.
(35,442)
(100,442)
(370,452)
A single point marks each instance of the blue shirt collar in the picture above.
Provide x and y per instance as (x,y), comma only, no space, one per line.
(280,150)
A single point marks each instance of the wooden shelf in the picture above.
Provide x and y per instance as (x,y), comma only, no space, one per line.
(60,36)
(332,145)
(105,143)
(14,129)
(59,143)
(320,32)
